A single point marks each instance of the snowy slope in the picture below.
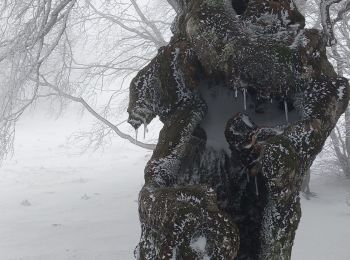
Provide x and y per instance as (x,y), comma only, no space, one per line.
(324,231)
(57,204)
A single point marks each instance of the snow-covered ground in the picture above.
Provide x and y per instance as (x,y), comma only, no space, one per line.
(56,204)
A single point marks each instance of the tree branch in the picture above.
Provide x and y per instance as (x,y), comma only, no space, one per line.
(98,116)
(149,23)
(326,21)
(342,11)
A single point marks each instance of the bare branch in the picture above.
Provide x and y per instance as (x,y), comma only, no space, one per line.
(98,116)
(160,38)
(326,20)
(342,12)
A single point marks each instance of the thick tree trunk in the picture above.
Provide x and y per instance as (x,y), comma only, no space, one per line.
(247,102)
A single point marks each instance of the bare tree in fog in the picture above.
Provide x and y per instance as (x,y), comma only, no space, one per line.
(31,31)
(41,56)
(74,50)
(338,149)
(340,53)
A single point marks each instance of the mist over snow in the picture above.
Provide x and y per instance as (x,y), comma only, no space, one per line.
(58,204)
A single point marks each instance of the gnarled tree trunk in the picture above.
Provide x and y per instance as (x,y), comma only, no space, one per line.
(248,98)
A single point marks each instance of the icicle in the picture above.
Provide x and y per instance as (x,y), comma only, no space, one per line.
(245,98)
(145,130)
(236,92)
(248,177)
(286,110)
(136,131)
(256,186)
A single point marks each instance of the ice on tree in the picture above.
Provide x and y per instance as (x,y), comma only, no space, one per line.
(286,110)
(245,99)
(256,186)
(191,187)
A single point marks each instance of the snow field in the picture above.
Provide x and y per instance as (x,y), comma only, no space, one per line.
(56,204)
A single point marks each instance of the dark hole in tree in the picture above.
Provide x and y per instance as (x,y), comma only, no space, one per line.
(240,6)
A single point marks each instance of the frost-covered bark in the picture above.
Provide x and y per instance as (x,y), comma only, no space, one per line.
(239,198)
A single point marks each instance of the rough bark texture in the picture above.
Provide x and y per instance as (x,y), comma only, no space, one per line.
(202,202)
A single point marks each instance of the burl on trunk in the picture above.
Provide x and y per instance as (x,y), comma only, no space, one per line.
(248,98)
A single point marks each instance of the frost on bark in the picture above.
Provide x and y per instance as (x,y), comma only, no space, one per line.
(248,98)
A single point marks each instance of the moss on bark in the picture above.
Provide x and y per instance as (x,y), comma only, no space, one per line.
(200,203)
